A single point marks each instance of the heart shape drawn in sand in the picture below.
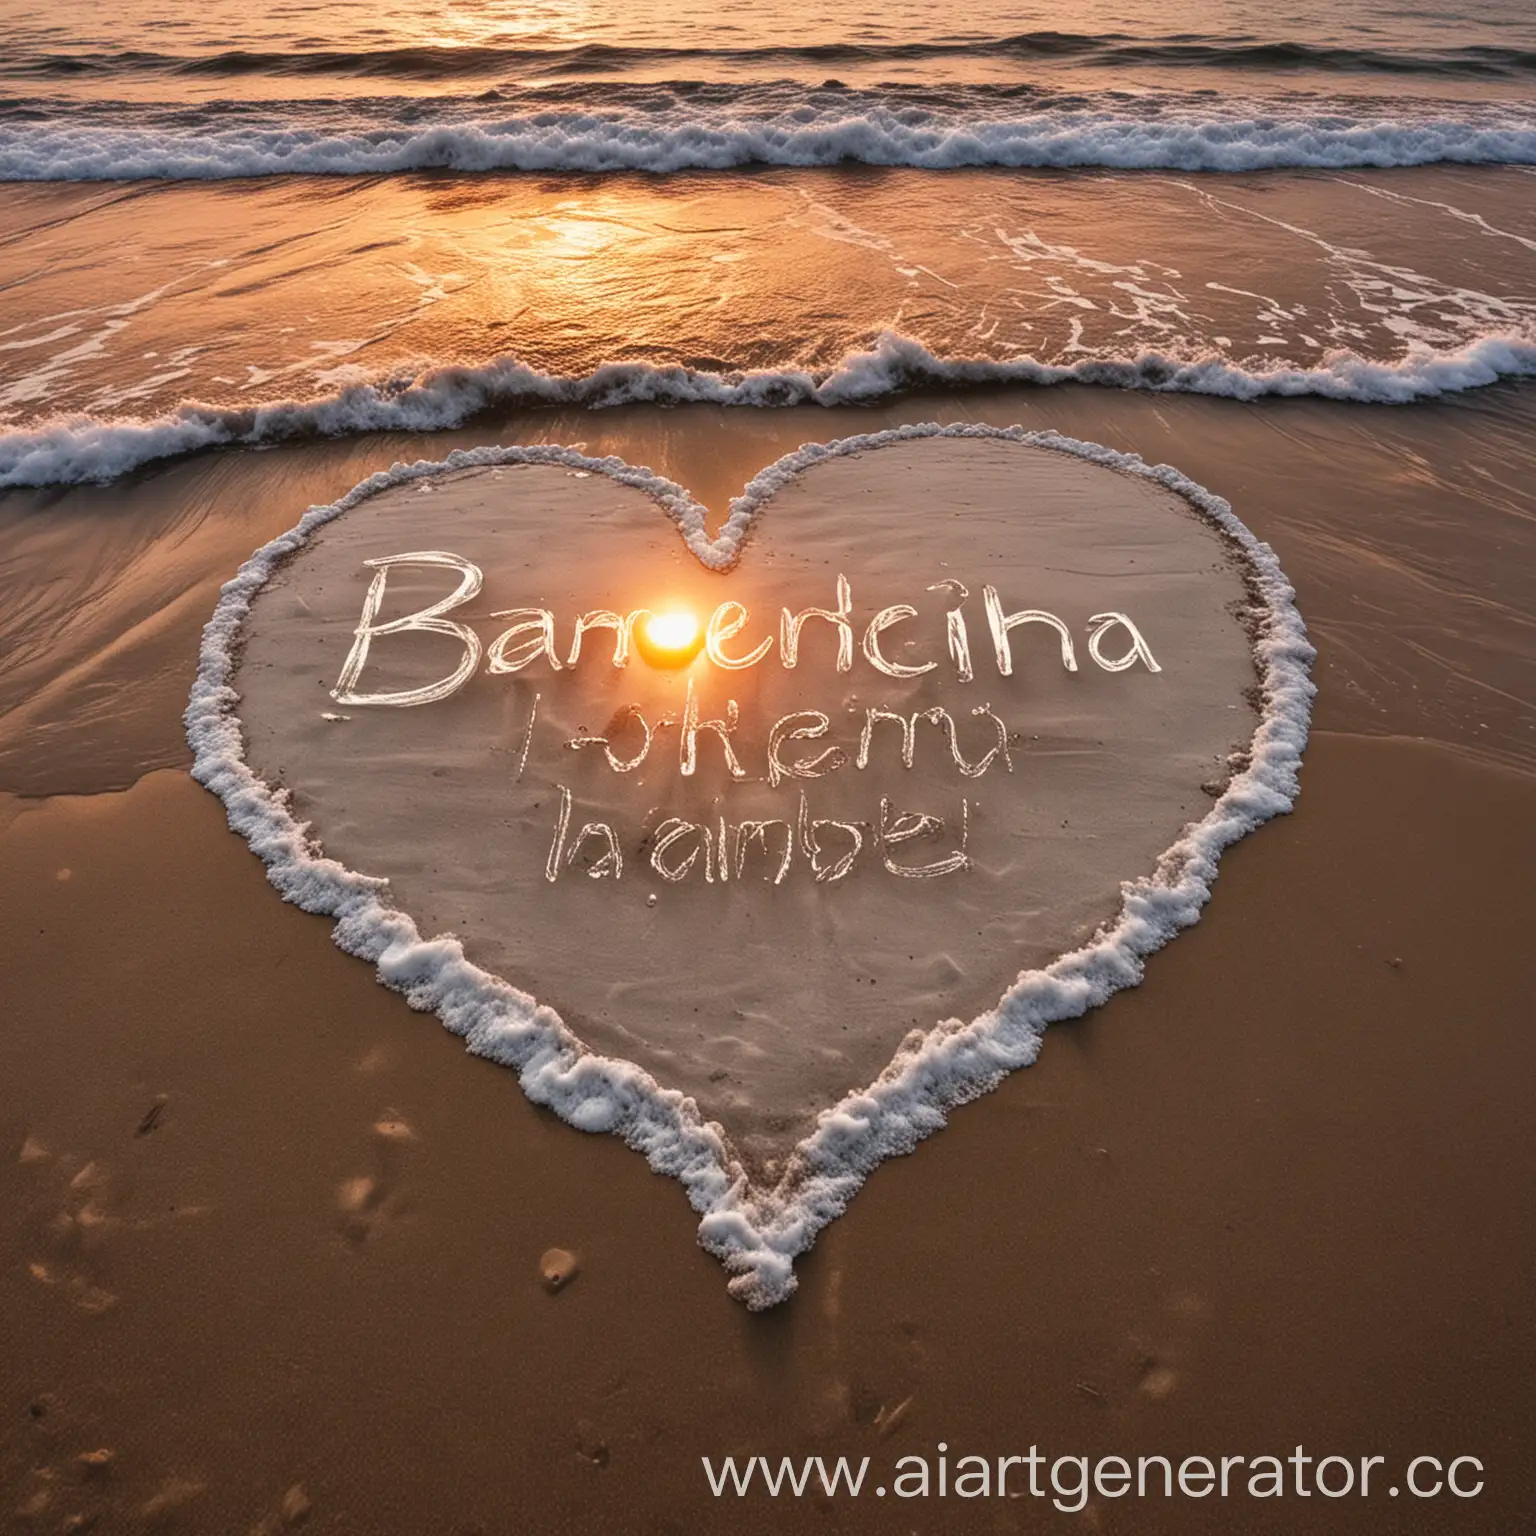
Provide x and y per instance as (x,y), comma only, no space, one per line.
(978,711)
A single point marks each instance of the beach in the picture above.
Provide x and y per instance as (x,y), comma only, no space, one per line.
(1277,1194)
(1144,1085)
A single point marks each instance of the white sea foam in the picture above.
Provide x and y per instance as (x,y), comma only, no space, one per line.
(756,1232)
(616,139)
(71,450)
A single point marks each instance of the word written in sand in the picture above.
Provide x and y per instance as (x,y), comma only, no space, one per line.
(532,637)
(710,847)
(782,759)
(723,851)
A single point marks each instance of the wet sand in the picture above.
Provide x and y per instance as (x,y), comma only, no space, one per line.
(1409,533)
(789,977)
(267,1229)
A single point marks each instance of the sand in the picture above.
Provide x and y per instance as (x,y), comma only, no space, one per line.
(267,1228)
(277,1247)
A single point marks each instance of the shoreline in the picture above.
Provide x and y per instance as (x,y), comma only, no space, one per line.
(1410,583)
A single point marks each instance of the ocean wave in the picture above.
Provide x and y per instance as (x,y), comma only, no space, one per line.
(815,130)
(85,449)
(1109,50)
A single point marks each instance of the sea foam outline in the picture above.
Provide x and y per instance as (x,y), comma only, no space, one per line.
(756,1232)
(83,449)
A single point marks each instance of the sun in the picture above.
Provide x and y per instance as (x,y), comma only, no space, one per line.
(670,639)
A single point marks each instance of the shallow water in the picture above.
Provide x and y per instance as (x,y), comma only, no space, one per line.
(156,89)
(249,293)
(742,193)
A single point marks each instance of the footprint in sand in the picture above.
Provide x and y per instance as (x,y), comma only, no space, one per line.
(367,1199)
(1158,1380)
(1161,1369)
(58,1476)
(377,1059)
(165,1509)
(71,1227)
(293,1509)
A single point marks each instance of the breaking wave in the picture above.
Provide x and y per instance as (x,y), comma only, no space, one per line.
(81,449)
(807,130)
